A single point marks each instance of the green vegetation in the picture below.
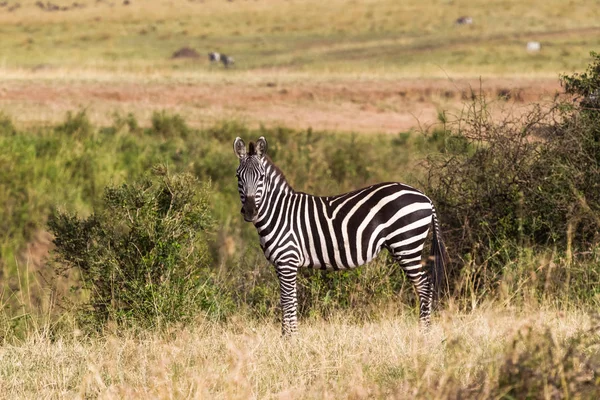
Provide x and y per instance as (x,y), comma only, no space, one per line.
(152,262)
(141,254)
(79,169)
(512,195)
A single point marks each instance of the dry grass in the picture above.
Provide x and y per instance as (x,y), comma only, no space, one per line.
(388,357)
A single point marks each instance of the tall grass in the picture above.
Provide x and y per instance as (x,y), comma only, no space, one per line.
(492,352)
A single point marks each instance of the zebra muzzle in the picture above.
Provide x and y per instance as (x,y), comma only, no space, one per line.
(249,209)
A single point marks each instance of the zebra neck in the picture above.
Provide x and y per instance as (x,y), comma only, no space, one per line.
(275,179)
(276,190)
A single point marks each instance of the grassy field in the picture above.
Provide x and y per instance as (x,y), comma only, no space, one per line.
(362,66)
(413,38)
(348,93)
(531,331)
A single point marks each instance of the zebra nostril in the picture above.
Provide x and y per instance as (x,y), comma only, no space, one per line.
(242,210)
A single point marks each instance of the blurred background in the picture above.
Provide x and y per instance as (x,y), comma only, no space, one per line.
(372,66)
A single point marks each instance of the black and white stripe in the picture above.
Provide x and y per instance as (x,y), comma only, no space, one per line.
(336,232)
(215,57)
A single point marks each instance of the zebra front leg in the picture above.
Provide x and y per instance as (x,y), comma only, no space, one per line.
(289,301)
(419,276)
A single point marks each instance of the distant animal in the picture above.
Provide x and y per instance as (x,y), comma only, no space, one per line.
(226,60)
(214,57)
(464,20)
(534,46)
(299,230)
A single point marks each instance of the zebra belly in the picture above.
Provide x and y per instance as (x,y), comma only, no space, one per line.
(329,259)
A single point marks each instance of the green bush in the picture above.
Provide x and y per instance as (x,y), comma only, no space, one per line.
(129,121)
(361,291)
(482,188)
(347,163)
(585,86)
(77,125)
(143,256)
(6,126)
(168,126)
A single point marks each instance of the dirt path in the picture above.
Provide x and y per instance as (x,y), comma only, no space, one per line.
(362,106)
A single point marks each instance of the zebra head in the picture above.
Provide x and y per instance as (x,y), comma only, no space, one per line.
(251,175)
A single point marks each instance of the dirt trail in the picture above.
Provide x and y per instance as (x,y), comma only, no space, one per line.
(362,106)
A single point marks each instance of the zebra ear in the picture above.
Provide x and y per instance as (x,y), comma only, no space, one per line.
(239,147)
(261,147)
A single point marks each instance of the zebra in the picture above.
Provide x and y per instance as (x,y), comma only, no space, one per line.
(214,57)
(464,20)
(227,60)
(298,230)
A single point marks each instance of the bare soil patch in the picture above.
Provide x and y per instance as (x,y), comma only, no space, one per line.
(359,106)
(185,52)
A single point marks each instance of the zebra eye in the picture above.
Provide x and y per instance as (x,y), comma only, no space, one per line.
(262,176)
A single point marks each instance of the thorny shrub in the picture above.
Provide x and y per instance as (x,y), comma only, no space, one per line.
(528,180)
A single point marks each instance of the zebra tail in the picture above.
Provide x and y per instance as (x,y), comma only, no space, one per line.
(439,256)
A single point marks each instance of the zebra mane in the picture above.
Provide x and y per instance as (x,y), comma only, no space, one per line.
(276,170)
(251,149)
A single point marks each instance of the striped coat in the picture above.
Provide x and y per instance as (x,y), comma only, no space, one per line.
(337,232)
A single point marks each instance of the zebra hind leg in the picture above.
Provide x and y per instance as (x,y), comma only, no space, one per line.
(418,274)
